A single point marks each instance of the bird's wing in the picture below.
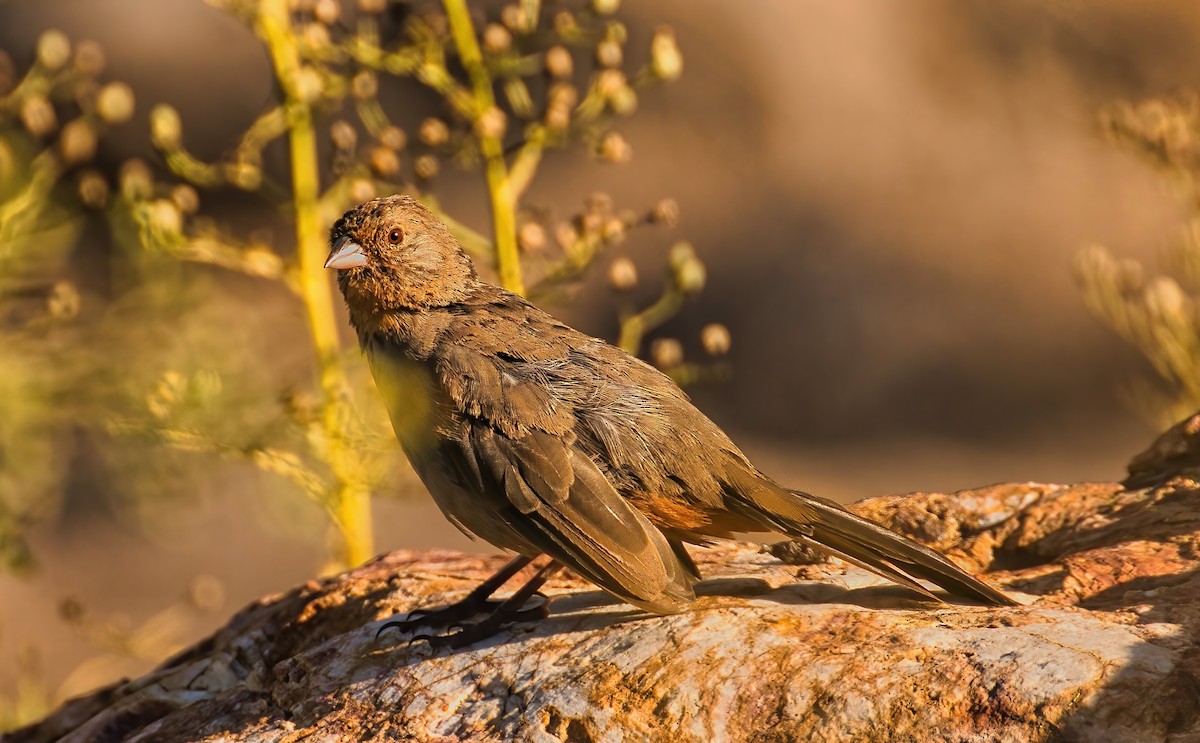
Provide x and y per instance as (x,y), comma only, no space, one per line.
(561,503)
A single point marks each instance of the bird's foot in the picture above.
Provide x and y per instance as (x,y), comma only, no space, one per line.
(469,633)
(508,611)
(443,616)
(478,601)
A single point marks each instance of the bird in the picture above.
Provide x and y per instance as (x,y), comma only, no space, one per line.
(545,441)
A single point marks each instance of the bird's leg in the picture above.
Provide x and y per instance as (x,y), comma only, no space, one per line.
(478,601)
(509,611)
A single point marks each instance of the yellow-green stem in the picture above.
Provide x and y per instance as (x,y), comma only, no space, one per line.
(502,195)
(635,327)
(504,226)
(349,505)
(354,522)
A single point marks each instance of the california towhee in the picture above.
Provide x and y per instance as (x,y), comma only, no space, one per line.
(543,440)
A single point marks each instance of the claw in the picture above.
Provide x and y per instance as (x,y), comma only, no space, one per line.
(500,614)
(427,637)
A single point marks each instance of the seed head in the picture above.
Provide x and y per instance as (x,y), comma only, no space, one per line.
(559,63)
(716,339)
(115,103)
(622,274)
(666,353)
(434,132)
(53,49)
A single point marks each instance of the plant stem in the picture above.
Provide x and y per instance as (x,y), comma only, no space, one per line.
(635,327)
(349,502)
(501,193)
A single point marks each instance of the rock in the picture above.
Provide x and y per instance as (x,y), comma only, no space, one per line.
(1106,649)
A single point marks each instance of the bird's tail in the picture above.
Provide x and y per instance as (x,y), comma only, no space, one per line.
(815,520)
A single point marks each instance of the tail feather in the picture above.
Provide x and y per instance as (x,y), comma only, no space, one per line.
(861,542)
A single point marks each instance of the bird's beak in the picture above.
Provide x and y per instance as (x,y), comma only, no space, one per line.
(345,254)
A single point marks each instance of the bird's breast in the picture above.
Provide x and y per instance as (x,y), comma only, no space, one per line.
(416,403)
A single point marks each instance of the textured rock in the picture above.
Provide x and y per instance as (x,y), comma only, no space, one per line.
(1106,649)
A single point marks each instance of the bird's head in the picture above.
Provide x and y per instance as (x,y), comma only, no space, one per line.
(393,254)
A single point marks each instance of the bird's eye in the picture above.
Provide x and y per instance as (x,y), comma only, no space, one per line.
(395,236)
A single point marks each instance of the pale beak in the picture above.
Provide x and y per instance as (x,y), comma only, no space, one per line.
(346,254)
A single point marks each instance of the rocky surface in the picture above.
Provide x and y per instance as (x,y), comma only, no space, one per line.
(1107,647)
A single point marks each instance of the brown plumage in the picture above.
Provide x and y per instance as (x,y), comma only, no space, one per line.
(543,440)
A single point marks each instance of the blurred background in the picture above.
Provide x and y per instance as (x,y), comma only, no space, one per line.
(890,202)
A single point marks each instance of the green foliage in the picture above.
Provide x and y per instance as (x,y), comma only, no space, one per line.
(1160,315)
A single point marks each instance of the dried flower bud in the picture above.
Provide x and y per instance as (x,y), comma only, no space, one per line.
(362,189)
(615,149)
(491,123)
(93,189)
(89,58)
(244,174)
(623,101)
(434,132)
(393,137)
(372,6)
(666,353)
(609,82)
(137,182)
(64,301)
(343,135)
(496,38)
(115,103)
(316,35)
(590,223)
(309,85)
(608,53)
(681,252)
(38,117)
(622,274)
(565,235)
(77,142)
(53,49)
(613,230)
(558,117)
(559,62)
(364,85)
(531,236)
(515,18)
(563,94)
(606,7)
(715,339)
(163,216)
(565,24)
(690,276)
(1166,300)
(665,212)
(665,57)
(166,129)
(186,198)
(327,11)
(426,167)
(385,163)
